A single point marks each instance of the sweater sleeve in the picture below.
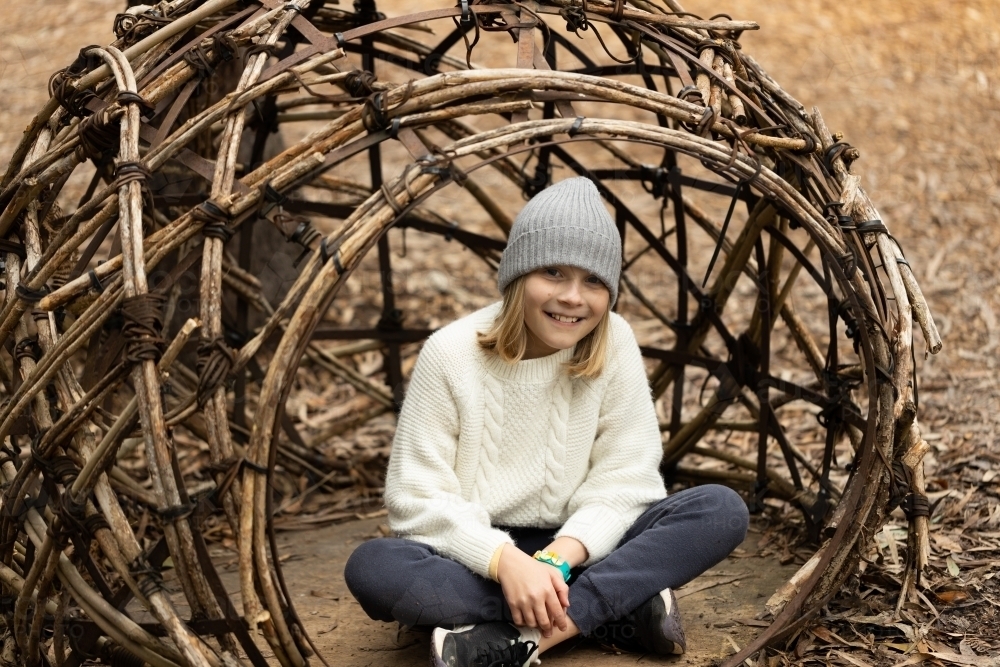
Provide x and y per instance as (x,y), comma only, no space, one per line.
(624,478)
(422,492)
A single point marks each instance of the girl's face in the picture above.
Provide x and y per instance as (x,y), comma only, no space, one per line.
(562,304)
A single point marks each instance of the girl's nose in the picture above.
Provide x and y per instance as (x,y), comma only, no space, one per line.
(571,293)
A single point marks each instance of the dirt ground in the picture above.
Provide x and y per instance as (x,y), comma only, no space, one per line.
(718,608)
(915,85)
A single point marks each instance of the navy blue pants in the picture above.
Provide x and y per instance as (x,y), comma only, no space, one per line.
(670,544)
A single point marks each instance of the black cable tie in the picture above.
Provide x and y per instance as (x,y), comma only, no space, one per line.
(258,49)
(872,227)
(466,13)
(328,252)
(434,171)
(214,210)
(269,199)
(175,512)
(30,295)
(832,152)
(902,260)
(452,226)
(915,505)
(690,94)
(810,146)
(339,36)
(577,124)
(152,584)
(394,128)
(13,248)
(128,171)
(28,348)
(217,230)
(272,195)
(247,463)
(838,149)
(72,507)
(128,97)
(95,282)
(706,44)
(215,220)
(299,232)
(656,177)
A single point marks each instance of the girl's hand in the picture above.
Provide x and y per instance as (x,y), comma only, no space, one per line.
(535,591)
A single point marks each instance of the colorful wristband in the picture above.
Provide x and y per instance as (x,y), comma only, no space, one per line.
(555,560)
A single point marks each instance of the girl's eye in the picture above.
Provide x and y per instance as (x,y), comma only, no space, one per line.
(594,280)
(551,271)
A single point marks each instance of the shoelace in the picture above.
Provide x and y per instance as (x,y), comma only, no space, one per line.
(511,655)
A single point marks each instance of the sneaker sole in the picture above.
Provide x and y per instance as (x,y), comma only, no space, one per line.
(666,612)
(437,645)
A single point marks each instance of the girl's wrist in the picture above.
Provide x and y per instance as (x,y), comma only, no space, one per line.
(512,558)
(494,567)
(570,548)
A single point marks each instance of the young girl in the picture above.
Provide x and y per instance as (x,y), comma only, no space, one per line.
(524,487)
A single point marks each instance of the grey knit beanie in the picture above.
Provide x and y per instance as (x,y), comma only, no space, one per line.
(564,224)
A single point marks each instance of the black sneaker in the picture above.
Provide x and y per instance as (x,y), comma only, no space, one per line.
(495,644)
(655,627)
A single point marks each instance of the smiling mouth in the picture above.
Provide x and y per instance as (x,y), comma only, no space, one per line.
(564,319)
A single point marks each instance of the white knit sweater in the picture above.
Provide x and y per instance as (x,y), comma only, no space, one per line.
(481,443)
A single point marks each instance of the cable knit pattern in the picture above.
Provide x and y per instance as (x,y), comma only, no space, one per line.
(555,453)
(492,436)
(483,443)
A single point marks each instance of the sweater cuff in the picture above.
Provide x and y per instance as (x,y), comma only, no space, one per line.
(474,547)
(598,527)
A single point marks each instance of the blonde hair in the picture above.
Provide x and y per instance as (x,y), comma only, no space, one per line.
(507,337)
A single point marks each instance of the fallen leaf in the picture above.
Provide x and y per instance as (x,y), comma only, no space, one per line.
(952,566)
(952,597)
(946,543)
(890,540)
(906,630)
(824,634)
(882,620)
(329,629)
(853,660)
(803,645)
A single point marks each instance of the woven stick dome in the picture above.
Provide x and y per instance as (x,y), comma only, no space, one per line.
(246,161)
